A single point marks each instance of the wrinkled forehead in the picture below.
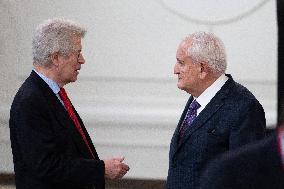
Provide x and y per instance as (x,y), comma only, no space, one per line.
(183,47)
(77,42)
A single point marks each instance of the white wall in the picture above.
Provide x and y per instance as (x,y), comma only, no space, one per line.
(126,92)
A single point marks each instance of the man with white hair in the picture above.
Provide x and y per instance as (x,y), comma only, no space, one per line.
(51,146)
(220,114)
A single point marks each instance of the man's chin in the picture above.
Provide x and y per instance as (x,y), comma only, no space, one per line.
(74,78)
(183,88)
(180,87)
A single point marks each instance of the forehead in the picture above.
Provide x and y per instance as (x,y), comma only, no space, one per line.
(183,48)
(77,43)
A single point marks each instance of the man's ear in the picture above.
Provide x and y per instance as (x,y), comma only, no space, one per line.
(54,58)
(204,70)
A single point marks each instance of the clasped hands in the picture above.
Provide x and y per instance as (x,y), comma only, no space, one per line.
(115,168)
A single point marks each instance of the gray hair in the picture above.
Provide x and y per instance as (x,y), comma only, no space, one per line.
(208,48)
(55,35)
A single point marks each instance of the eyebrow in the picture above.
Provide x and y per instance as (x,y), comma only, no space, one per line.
(179,60)
(79,51)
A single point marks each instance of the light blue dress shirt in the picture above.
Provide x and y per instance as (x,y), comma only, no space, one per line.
(52,84)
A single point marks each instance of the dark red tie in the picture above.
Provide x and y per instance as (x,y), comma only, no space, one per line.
(69,108)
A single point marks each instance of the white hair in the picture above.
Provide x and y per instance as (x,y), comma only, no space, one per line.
(55,35)
(207,48)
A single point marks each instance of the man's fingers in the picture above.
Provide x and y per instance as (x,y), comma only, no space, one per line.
(120,159)
(125,167)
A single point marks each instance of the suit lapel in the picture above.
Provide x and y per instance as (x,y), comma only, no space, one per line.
(202,118)
(62,115)
(211,108)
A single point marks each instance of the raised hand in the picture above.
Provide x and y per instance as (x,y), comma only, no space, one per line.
(115,168)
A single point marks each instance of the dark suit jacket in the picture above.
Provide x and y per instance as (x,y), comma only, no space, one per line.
(231,119)
(255,166)
(48,151)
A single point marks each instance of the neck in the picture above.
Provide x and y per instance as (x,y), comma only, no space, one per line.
(49,72)
(205,83)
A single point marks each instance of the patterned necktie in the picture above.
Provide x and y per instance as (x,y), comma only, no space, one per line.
(67,103)
(190,116)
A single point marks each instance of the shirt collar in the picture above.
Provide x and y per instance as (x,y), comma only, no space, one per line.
(211,91)
(52,84)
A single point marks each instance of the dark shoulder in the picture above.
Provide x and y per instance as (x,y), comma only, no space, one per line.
(29,95)
(250,155)
(239,94)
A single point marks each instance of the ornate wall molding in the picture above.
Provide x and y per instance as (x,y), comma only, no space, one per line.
(183,9)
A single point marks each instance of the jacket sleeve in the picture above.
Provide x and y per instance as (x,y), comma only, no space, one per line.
(250,125)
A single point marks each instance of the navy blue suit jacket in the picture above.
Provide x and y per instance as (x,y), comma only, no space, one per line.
(48,151)
(253,166)
(231,119)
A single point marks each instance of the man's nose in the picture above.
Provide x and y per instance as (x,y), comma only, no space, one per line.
(81,59)
(176,69)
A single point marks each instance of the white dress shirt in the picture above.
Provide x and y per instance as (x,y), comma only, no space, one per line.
(210,92)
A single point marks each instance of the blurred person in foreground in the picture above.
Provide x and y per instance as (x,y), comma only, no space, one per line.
(259,165)
(51,146)
(220,114)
